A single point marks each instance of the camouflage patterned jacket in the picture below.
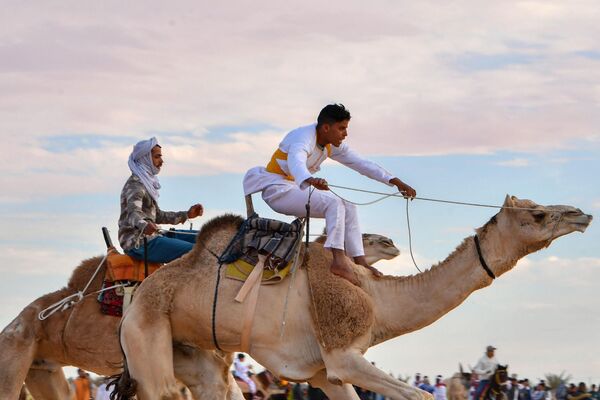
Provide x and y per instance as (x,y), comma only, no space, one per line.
(137,208)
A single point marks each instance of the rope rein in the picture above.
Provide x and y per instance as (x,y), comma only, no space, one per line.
(463,203)
(386,195)
(76,297)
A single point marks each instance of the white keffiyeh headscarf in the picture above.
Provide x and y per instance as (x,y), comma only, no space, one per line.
(140,164)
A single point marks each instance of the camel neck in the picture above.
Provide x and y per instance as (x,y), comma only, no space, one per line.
(405,304)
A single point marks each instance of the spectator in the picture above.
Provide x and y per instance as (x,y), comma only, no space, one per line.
(417,380)
(102,393)
(561,391)
(82,386)
(439,390)
(425,385)
(525,390)
(572,389)
(595,393)
(298,392)
(512,391)
(580,393)
(539,393)
(241,371)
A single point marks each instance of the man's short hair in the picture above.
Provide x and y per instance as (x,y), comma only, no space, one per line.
(332,113)
(241,355)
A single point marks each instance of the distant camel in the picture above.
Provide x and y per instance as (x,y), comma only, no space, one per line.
(35,351)
(458,385)
(326,350)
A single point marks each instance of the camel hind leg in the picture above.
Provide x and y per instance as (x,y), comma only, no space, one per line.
(17,350)
(48,384)
(206,373)
(334,392)
(147,344)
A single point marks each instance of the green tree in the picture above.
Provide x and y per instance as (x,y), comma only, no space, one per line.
(553,380)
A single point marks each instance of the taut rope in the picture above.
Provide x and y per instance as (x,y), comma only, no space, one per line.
(388,195)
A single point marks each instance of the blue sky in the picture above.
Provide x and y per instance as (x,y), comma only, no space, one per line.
(465,101)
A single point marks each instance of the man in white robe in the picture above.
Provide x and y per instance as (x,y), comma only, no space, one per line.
(241,370)
(286,180)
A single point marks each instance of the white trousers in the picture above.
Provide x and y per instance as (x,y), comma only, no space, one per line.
(249,382)
(341,218)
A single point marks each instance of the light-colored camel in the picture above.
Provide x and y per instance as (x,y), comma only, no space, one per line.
(35,351)
(171,306)
(458,385)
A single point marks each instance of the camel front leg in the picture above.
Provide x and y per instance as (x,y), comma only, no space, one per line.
(147,344)
(48,384)
(334,392)
(349,366)
(17,350)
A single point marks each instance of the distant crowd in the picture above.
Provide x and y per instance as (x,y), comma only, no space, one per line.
(85,388)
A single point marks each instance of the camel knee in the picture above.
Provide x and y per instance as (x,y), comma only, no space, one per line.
(334,380)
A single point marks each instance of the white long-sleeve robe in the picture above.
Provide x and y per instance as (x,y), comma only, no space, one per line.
(284,187)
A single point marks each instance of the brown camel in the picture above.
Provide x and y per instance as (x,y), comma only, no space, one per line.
(35,351)
(171,306)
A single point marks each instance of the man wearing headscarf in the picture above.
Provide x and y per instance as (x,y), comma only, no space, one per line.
(140,213)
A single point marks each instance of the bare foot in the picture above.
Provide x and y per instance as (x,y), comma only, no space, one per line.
(362,261)
(344,271)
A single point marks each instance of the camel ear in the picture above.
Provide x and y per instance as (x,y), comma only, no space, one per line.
(460,368)
(509,201)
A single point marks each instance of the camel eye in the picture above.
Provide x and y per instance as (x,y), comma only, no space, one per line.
(538,216)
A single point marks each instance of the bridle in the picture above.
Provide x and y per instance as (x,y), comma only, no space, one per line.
(485,266)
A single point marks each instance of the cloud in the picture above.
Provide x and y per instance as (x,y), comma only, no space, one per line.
(515,162)
(189,67)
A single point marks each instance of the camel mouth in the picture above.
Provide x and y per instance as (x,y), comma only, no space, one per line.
(578,222)
(581,222)
(391,252)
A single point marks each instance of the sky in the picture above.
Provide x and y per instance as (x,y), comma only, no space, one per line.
(463,100)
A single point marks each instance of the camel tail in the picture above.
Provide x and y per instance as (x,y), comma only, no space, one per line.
(125,387)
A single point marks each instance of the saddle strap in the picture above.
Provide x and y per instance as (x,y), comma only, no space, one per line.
(250,290)
(128,296)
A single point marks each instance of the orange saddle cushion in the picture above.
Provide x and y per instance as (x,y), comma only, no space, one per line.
(121,267)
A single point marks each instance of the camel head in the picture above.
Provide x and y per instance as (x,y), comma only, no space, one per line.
(465,377)
(537,226)
(378,247)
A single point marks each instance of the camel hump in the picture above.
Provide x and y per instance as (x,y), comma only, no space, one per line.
(341,311)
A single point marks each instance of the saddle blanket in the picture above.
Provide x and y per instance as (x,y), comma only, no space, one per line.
(240,270)
(111,303)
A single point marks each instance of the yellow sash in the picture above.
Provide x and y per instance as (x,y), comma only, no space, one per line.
(274,167)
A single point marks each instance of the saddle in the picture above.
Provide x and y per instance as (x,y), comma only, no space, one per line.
(125,274)
(121,267)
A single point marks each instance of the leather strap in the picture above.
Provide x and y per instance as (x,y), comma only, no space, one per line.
(482,260)
(249,291)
